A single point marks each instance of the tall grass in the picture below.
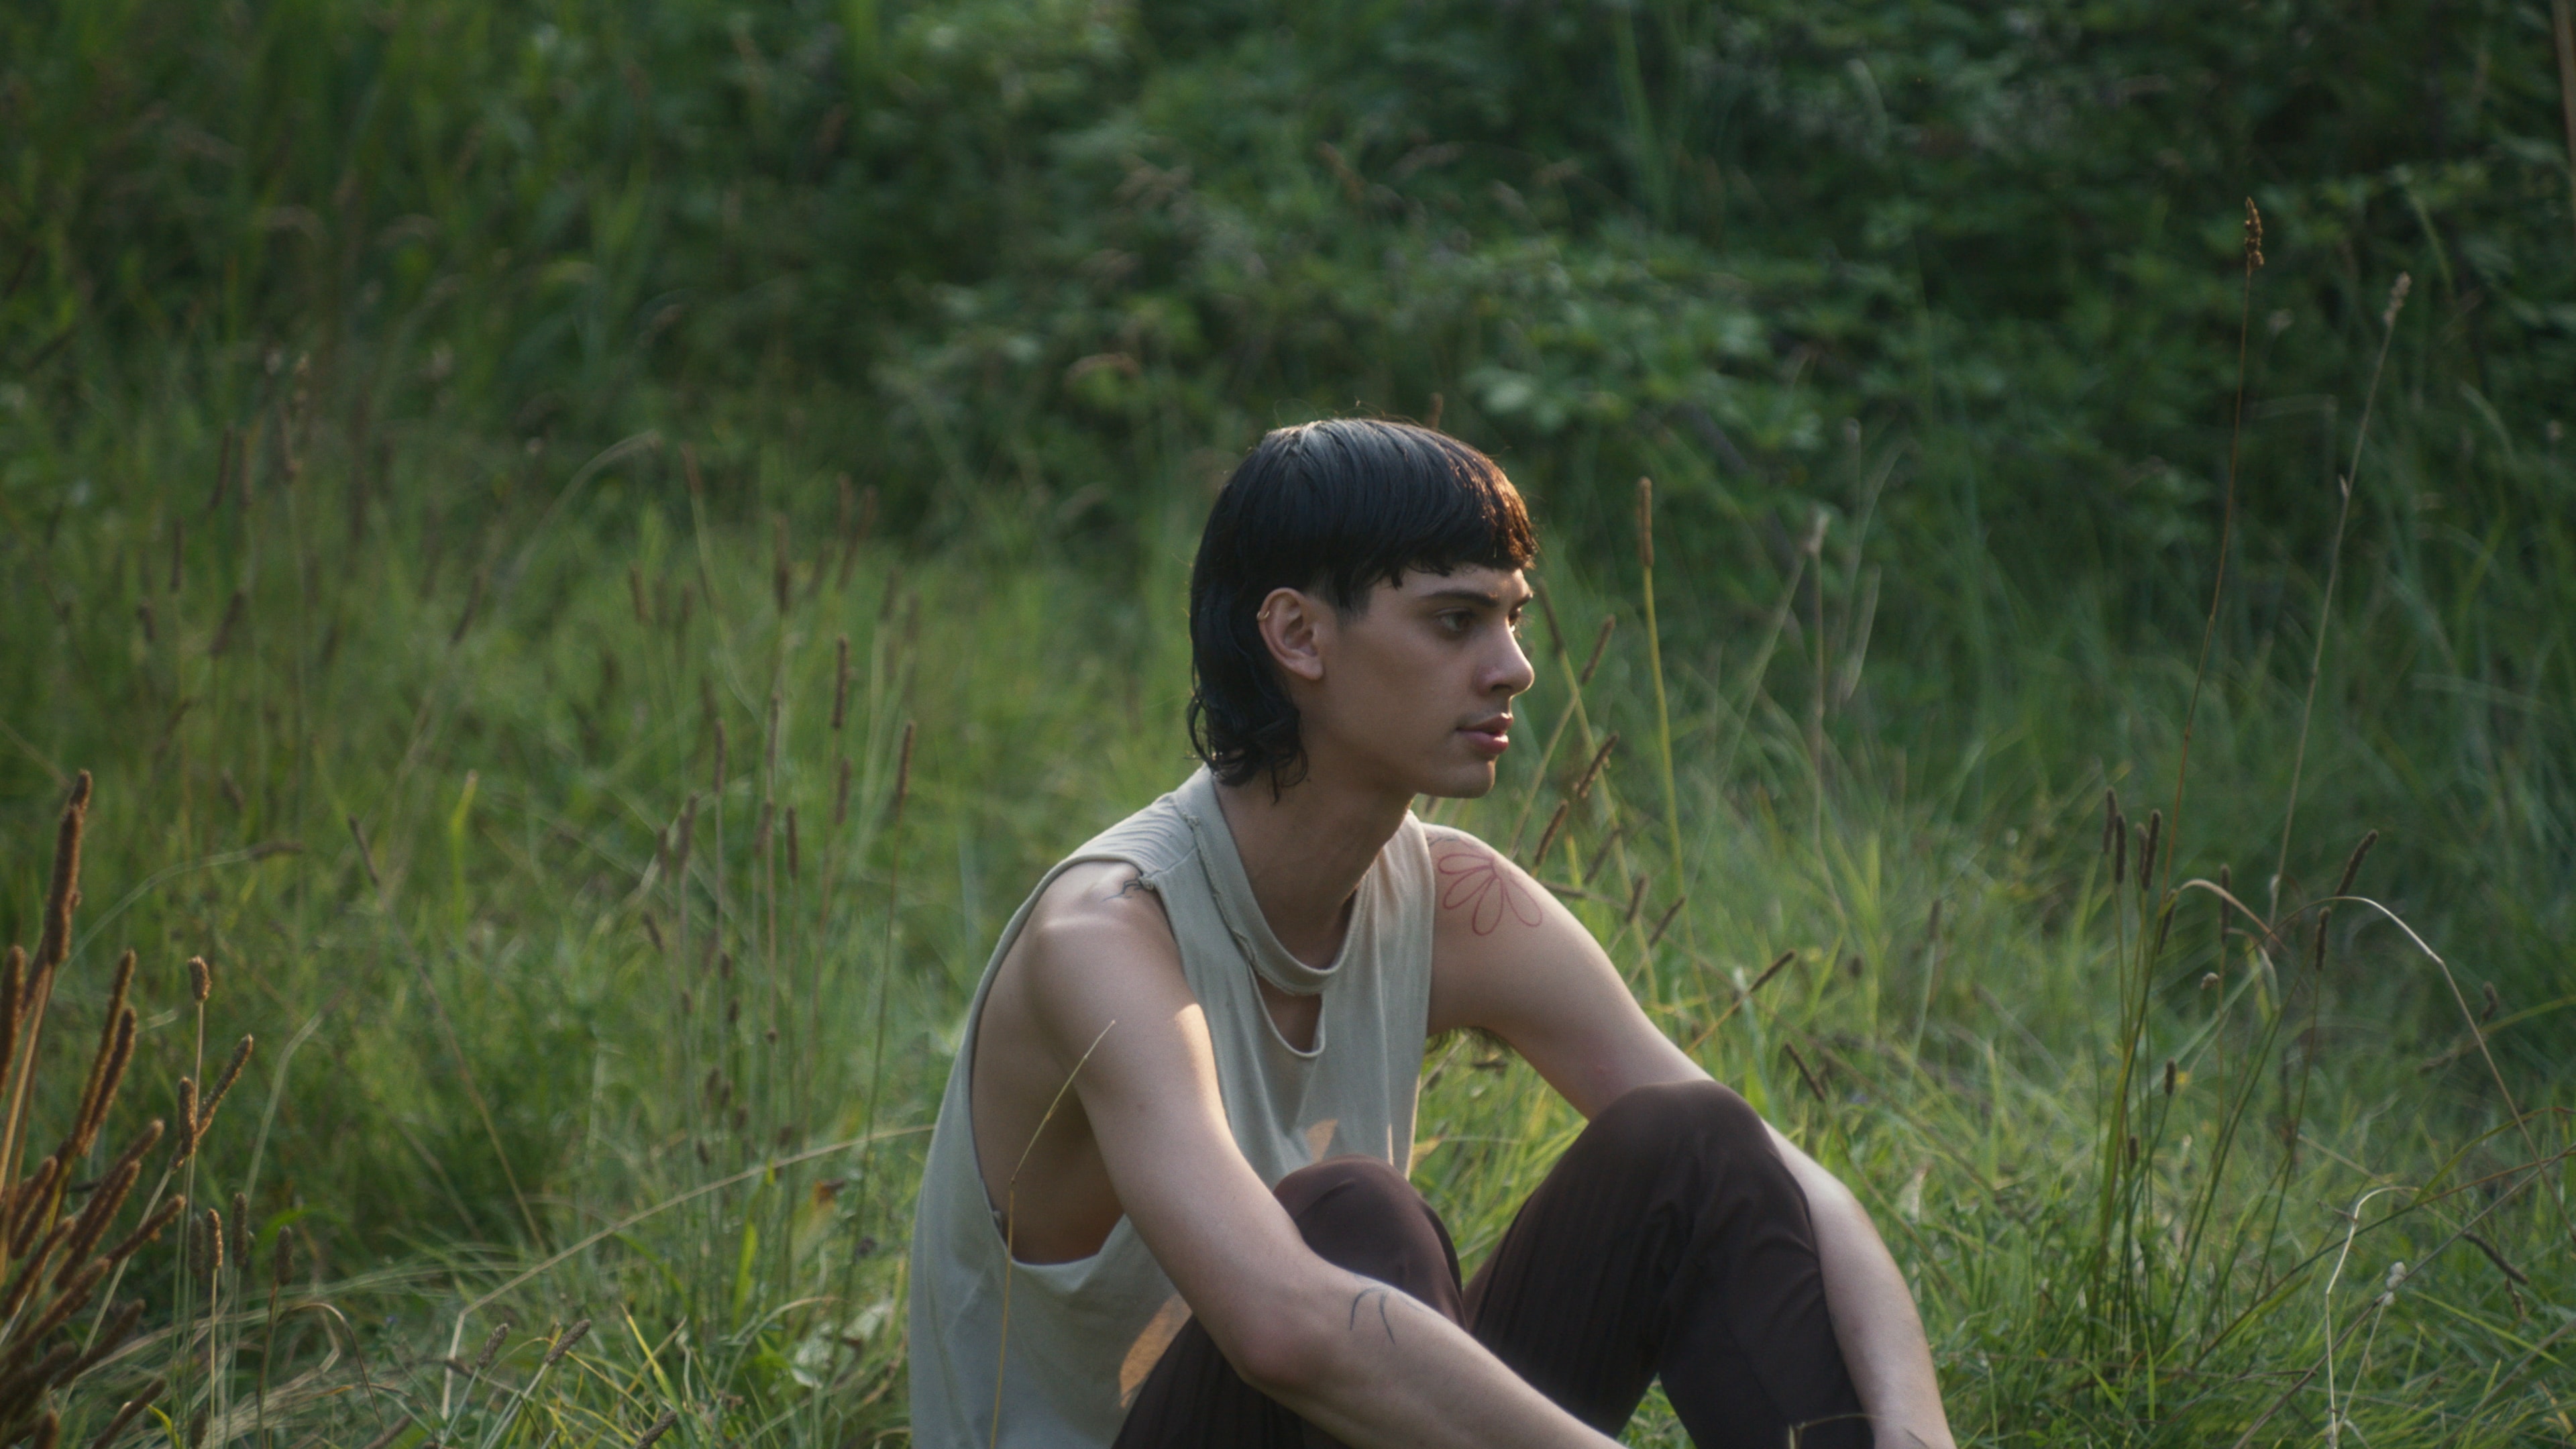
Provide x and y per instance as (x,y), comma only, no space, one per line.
(613,1026)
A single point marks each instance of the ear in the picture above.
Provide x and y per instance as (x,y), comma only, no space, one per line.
(1296,626)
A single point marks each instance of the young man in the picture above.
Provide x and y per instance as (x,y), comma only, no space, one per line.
(1165,1203)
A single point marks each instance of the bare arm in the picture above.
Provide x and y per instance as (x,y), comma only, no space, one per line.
(1875,1320)
(1364,1362)
(1509,958)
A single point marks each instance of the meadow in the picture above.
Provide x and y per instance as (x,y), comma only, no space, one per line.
(587,588)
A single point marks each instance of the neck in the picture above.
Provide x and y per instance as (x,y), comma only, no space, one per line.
(1305,849)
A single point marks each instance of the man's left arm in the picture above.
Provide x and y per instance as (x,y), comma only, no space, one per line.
(1508,958)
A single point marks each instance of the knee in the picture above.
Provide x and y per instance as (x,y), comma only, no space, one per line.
(1702,1118)
(1346,1188)
(1361,1214)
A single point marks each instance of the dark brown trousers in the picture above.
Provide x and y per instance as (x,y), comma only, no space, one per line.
(1670,1241)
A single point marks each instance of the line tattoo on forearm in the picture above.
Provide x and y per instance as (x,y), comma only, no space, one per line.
(1378,1296)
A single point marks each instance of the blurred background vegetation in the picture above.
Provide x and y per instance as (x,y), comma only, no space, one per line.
(373,345)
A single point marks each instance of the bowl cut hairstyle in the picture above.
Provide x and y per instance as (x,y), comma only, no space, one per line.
(1332,508)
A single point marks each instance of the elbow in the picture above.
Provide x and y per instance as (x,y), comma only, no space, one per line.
(1280,1355)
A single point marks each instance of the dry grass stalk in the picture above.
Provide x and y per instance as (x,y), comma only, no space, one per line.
(782,572)
(127,1413)
(1600,645)
(635,595)
(840,681)
(793,854)
(473,602)
(1664,922)
(1547,837)
(366,857)
(1804,1075)
(1600,757)
(232,620)
(2147,843)
(858,534)
(841,796)
(1778,964)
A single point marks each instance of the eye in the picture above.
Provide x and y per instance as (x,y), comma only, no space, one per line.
(1456,623)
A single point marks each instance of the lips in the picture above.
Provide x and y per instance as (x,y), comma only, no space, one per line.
(1489,737)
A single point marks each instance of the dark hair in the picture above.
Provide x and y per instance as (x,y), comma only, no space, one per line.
(1336,508)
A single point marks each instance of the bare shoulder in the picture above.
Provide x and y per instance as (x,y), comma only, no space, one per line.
(1098,900)
(1098,927)
(1479,891)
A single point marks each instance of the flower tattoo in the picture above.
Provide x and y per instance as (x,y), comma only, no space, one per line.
(1472,879)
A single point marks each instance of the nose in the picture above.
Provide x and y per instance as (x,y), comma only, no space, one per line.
(1513,673)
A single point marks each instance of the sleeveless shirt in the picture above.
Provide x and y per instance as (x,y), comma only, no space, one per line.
(1083,1334)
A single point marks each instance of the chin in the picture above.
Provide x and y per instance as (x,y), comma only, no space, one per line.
(1473,783)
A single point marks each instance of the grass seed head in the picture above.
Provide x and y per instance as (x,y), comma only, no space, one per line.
(2253,236)
(209,1247)
(62,894)
(491,1347)
(564,1344)
(902,777)
(187,1146)
(224,1082)
(1592,771)
(1665,922)
(2352,864)
(201,980)
(151,1228)
(2396,299)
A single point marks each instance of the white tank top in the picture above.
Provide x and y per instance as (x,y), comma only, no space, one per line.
(1083,1334)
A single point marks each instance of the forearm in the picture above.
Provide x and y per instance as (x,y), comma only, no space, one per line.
(1377,1368)
(1875,1321)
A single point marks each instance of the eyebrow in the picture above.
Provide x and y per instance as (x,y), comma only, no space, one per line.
(1462,594)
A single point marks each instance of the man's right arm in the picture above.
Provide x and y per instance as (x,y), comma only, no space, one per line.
(1105,984)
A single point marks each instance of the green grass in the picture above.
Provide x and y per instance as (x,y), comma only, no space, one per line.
(518,1063)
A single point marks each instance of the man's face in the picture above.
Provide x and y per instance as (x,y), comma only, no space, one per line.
(1413,694)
